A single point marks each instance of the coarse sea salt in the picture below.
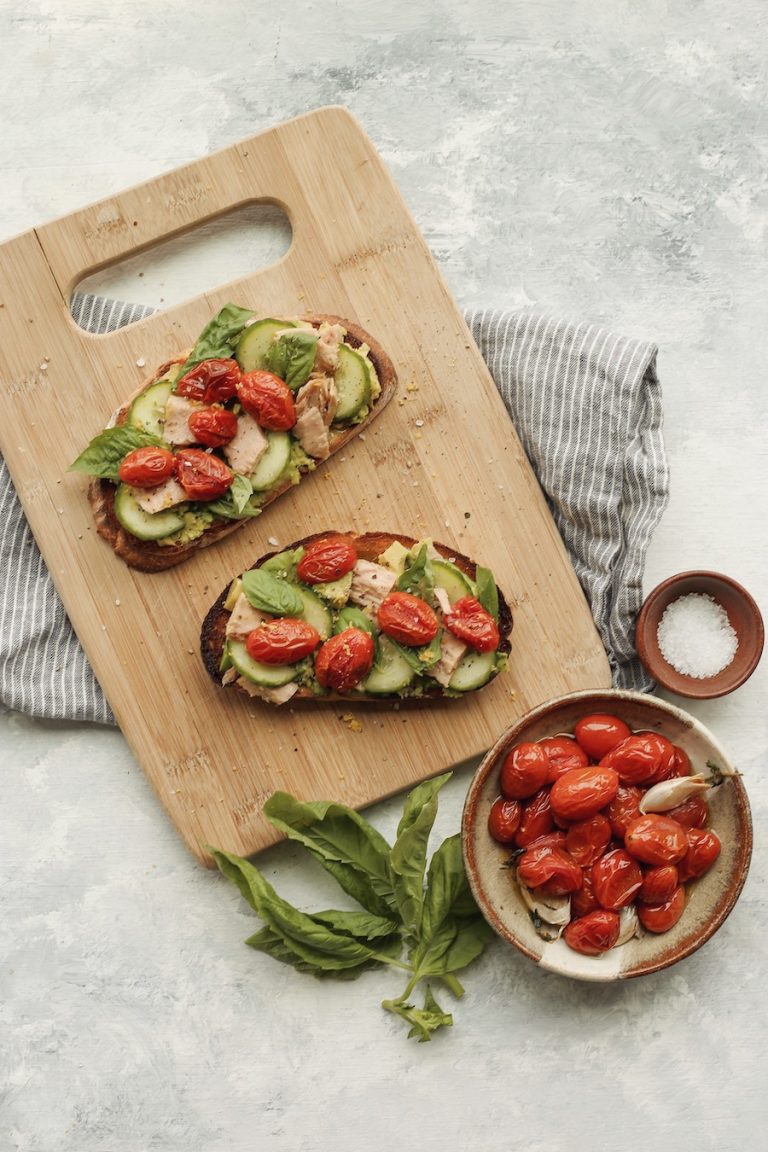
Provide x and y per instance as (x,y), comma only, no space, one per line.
(696,637)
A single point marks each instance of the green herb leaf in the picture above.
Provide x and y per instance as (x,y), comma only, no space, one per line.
(424,1021)
(217,340)
(360,925)
(235,504)
(292,357)
(273,944)
(487,592)
(284,564)
(417,577)
(409,852)
(269,593)
(106,451)
(451,926)
(344,843)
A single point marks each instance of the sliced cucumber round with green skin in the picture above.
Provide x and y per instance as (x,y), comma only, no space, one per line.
(452,580)
(274,461)
(144,525)
(315,612)
(353,384)
(265,675)
(255,342)
(474,670)
(148,409)
(390,674)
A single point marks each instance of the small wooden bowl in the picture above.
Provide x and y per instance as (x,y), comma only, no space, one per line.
(745,619)
(709,899)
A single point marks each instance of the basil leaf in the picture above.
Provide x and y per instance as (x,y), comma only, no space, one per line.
(487,592)
(409,852)
(292,357)
(106,451)
(272,944)
(417,577)
(424,1021)
(312,942)
(451,925)
(360,925)
(269,593)
(430,655)
(217,340)
(284,564)
(234,505)
(345,844)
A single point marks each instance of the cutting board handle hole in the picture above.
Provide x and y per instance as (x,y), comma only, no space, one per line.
(233,245)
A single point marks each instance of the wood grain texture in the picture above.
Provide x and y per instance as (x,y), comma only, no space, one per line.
(443,460)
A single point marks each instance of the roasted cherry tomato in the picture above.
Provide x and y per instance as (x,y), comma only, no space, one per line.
(638,759)
(580,793)
(543,864)
(593,934)
(624,808)
(656,839)
(536,819)
(703,850)
(213,381)
(345,660)
(327,559)
(202,476)
(282,641)
(407,619)
(599,733)
(683,766)
(586,840)
(474,625)
(504,819)
(616,879)
(268,399)
(662,917)
(659,884)
(213,426)
(692,813)
(563,754)
(147,467)
(549,840)
(667,758)
(524,771)
(584,899)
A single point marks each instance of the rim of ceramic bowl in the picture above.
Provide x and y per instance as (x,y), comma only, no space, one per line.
(489,763)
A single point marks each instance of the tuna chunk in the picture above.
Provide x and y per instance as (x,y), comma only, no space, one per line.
(451,651)
(176,423)
(315,408)
(244,618)
(247,447)
(279,695)
(166,495)
(327,350)
(370,584)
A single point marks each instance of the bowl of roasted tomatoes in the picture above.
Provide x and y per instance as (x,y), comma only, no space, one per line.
(606,835)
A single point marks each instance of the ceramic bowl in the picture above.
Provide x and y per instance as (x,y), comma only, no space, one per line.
(709,899)
(745,619)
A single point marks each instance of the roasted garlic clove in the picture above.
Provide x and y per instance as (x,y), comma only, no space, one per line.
(550,914)
(629,925)
(668,794)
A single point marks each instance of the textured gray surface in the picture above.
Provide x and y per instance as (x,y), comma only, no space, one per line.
(607,161)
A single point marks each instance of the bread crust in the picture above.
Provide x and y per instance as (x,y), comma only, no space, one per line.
(148,556)
(370,546)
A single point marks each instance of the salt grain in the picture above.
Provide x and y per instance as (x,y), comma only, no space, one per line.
(696,637)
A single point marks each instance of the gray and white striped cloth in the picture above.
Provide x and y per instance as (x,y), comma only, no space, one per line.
(587,406)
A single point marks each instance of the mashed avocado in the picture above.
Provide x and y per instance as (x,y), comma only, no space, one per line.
(196,520)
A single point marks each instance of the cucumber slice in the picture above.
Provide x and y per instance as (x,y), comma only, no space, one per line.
(265,675)
(144,525)
(315,612)
(274,461)
(253,345)
(353,384)
(474,670)
(452,580)
(391,672)
(148,409)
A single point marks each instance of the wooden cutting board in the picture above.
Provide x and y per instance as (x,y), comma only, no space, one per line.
(442,460)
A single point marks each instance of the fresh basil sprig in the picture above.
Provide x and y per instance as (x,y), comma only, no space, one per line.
(421,921)
(487,592)
(418,577)
(106,451)
(234,505)
(217,340)
(292,357)
(269,593)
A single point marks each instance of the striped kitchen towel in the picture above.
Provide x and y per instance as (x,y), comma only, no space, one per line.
(587,406)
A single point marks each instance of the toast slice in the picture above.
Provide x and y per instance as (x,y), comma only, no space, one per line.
(384,560)
(150,555)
